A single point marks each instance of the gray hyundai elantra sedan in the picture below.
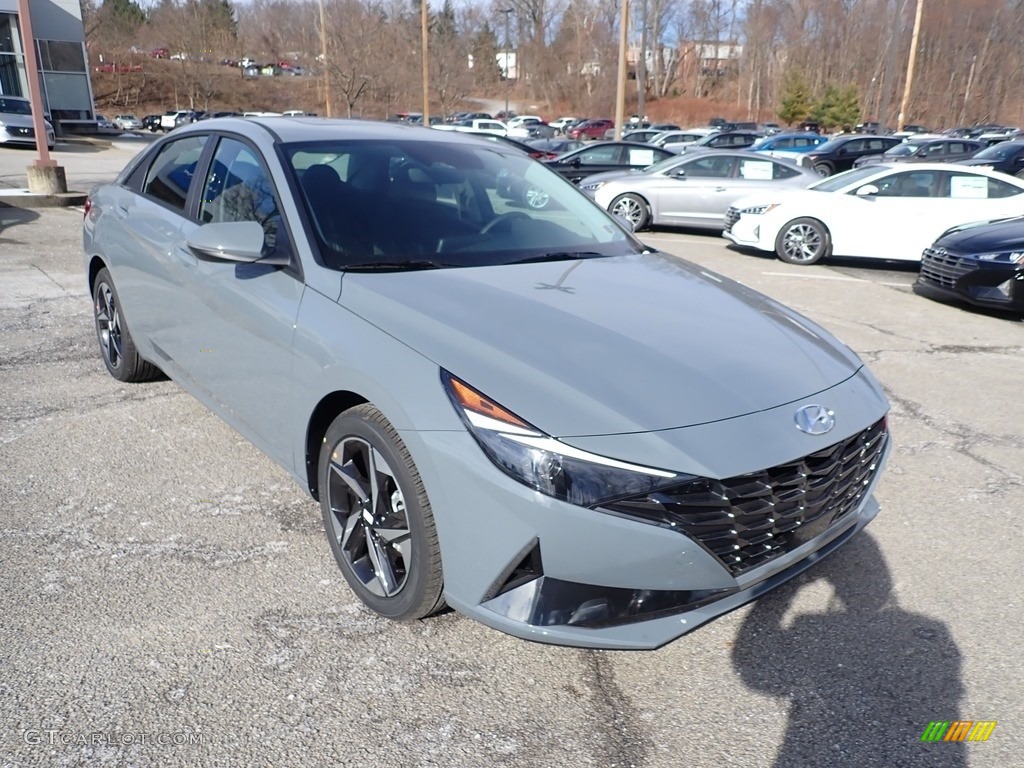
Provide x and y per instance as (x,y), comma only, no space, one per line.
(524,414)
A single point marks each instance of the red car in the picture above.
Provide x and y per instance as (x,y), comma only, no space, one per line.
(591,129)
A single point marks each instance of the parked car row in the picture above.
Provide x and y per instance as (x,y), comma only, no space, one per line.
(760,198)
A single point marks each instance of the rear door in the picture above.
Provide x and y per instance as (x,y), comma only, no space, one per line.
(147,266)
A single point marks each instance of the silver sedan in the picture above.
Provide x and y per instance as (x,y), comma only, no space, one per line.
(692,191)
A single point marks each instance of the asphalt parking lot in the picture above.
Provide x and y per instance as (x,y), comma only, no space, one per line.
(170,598)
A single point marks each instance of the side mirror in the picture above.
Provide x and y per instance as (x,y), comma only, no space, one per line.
(575,162)
(678,173)
(237,241)
(868,190)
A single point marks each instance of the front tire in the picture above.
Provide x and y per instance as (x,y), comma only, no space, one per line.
(117,348)
(803,241)
(823,169)
(633,208)
(378,518)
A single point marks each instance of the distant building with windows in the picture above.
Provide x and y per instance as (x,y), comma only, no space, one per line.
(60,53)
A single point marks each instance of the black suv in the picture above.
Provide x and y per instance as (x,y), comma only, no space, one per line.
(925,151)
(980,263)
(838,154)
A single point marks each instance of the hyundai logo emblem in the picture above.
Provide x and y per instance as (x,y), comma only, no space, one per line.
(815,419)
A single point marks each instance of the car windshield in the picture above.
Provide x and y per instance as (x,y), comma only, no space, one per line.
(463,203)
(15,107)
(998,152)
(902,150)
(841,180)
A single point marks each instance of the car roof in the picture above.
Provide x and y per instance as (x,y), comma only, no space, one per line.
(287,129)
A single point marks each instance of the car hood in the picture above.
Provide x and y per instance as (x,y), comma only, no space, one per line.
(777,195)
(12,120)
(605,345)
(613,176)
(985,236)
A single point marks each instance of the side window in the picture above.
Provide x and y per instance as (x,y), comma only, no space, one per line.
(238,188)
(999,188)
(780,171)
(857,145)
(935,150)
(170,176)
(600,155)
(789,143)
(719,167)
(641,157)
(907,184)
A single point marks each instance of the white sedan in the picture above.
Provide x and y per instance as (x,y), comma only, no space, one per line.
(886,211)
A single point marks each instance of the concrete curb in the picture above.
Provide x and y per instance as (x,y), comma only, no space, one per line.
(22,198)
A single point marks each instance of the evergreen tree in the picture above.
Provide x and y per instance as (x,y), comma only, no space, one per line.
(795,101)
(121,17)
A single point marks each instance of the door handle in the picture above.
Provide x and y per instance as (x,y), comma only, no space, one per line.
(719,189)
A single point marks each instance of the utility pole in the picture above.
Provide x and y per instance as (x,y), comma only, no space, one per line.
(910,67)
(44,175)
(424,28)
(323,56)
(508,45)
(620,88)
(641,64)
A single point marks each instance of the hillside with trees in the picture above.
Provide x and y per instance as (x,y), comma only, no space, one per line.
(835,61)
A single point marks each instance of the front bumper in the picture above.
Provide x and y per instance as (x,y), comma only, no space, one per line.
(22,136)
(746,230)
(552,572)
(947,276)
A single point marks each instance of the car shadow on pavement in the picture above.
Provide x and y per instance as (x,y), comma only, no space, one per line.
(11,216)
(864,678)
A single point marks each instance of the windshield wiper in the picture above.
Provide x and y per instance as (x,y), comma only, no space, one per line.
(395,266)
(557,256)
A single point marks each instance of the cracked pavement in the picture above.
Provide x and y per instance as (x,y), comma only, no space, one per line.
(170,599)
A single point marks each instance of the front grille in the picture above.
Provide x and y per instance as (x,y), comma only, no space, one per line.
(731,217)
(942,268)
(746,521)
(28,132)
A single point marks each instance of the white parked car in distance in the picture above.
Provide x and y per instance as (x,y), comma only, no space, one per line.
(884,211)
(127,122)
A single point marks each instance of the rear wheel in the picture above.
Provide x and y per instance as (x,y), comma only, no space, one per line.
(116,346)
(803,241)
(633,208)
(378,518)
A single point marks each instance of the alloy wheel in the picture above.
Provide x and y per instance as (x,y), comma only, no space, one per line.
(368,517)
(802,243)
(108,324)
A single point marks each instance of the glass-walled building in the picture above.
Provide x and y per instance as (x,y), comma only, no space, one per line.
(60,54)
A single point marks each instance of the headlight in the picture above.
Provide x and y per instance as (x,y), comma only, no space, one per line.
(544,463)
(1012,257)
(592,187)
(758,210)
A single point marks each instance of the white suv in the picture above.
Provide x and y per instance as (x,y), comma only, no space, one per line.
(171,120)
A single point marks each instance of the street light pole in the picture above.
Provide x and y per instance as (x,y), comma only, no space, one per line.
(508,83)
